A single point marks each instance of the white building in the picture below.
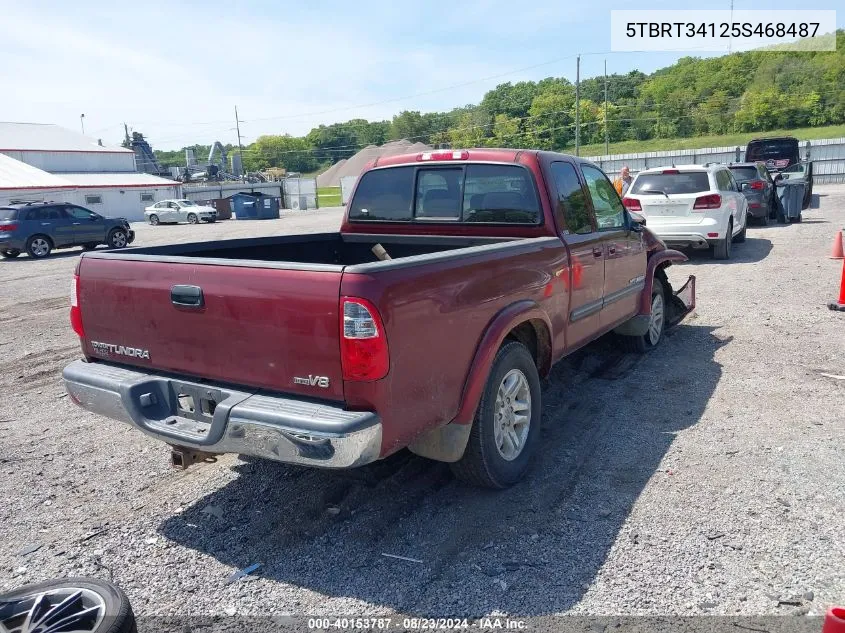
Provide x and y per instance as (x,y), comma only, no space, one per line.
(48,162)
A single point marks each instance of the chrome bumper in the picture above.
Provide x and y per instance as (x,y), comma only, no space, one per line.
(221,419)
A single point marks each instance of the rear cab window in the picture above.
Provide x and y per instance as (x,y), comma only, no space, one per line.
(677,182)
(744,174)
(8,214)
(468,193)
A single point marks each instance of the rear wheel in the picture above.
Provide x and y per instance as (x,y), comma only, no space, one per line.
(739,238)
(71,604)
(39,246)
(722,248)
(192,218)
(506,430)
(118,239)
(154,220)
(10,253)
(764,221)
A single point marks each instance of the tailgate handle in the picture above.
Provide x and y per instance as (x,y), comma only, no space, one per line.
(187,296)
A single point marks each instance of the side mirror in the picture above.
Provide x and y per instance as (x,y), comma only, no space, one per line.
(636,222)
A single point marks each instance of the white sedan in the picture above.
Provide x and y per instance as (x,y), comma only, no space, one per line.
(696,206)
(171,211)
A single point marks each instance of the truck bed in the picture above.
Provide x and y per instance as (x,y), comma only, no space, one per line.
(303,251)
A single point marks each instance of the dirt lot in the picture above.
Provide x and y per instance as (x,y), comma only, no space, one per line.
(707,477)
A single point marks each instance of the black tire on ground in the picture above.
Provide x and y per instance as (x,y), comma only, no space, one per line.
(651,339)
(10,253)
(482,463)
(739,238)
(722,248)
(90,246)
(192,218)
(39,246)
(154,221)
(117,239)
(764,221)
(114,604)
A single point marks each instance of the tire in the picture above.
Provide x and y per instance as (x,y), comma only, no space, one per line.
(39,246)
(657,325)
(154,221)
(722,248)
(739,238)
(90,246)
(10,253)
(486,463)
(192,218)
(118,239)
(89,601)
(764,221)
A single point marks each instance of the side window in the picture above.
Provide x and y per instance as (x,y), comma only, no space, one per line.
(93,200)
(723,181)
(610,214)
(439,193)
(78,213)
(572,210)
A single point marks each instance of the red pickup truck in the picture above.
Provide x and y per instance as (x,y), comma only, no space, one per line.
(457,280)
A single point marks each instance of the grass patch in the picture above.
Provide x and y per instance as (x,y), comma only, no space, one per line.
(695,142)
(329,196)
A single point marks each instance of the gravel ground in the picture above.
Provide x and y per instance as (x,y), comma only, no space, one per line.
(705,478)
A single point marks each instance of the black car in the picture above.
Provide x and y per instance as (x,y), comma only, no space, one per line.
(757,185)
(38,227)
(781,154)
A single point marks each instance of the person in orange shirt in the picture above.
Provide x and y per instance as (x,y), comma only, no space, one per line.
(623,181)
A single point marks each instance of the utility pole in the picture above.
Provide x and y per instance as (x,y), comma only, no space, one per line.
(606,141)
(240,146)
(577,105)
(82,122)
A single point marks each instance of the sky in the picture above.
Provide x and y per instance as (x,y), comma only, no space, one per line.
(176,70)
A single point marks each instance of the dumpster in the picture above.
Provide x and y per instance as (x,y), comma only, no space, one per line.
(790,193)
(254,206)
(223,206)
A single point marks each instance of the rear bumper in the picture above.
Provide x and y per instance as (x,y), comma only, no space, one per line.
(270,426)
(700,235)
(11,243)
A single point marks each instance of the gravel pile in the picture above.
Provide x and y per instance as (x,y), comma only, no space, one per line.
(705,478)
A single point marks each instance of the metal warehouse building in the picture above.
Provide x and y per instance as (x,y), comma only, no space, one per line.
(48,162)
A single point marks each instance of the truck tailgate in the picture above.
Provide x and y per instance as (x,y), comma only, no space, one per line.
(259,326)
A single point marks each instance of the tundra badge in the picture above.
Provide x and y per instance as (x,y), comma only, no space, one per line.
(119,350)
(312,381)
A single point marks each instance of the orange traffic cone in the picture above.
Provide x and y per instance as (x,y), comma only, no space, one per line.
(834,621)
(836,251)
(840,305)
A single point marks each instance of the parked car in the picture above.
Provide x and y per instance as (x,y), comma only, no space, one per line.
(457,279)
(757,186)
(695,206)
(38,227)
(174,211)
(781,154)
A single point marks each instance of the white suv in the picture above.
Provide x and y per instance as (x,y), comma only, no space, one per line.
(696,206)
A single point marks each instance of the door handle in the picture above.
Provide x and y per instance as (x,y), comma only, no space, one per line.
(76,224)
(598,252)
(187,296)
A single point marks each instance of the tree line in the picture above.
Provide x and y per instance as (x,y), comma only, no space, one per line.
(741,92)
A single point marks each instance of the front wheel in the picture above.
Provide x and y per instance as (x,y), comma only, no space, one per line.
(71,604)
(192,218)
(90,246)
(10,253)
(656,323)
(506,429)
(118,239)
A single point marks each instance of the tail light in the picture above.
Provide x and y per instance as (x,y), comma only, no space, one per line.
(711,201)
(8,228)
(632,204)
(363,342)
(670,172)
(756,184)
(75,311)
